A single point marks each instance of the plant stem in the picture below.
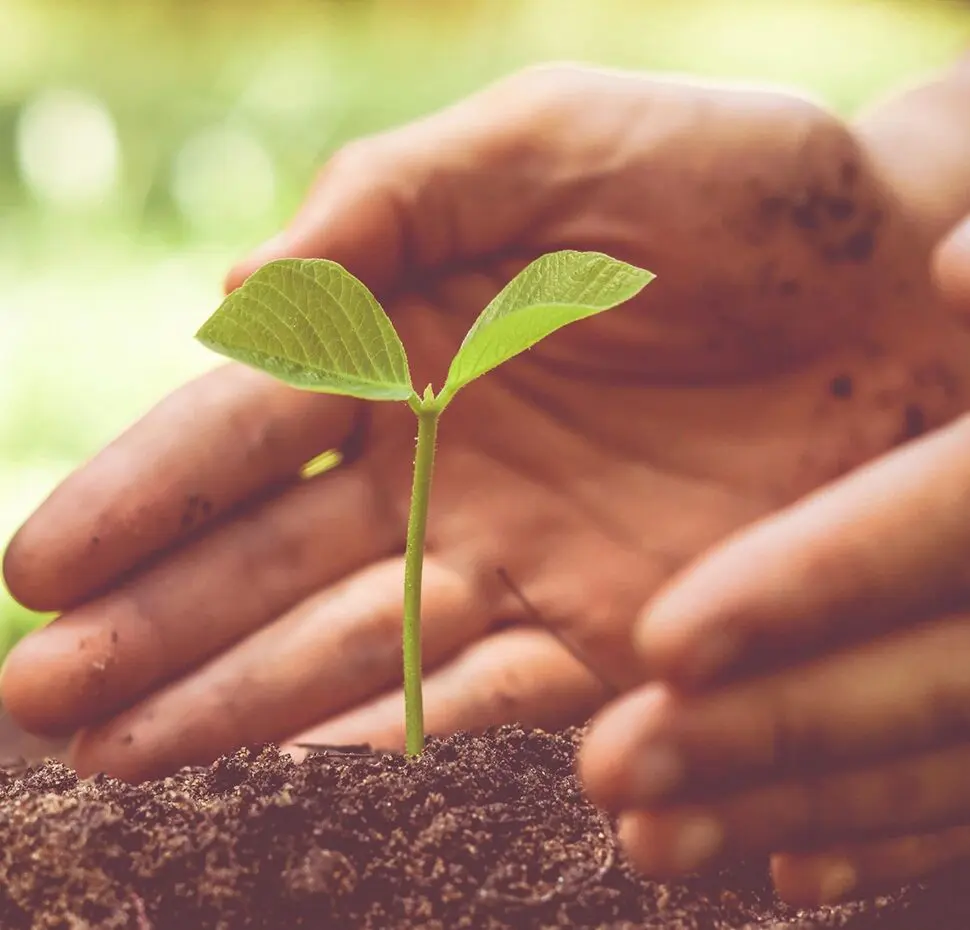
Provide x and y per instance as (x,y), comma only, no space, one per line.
(413,568)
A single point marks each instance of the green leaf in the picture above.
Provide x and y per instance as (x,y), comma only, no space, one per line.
(312,324)
(555,290)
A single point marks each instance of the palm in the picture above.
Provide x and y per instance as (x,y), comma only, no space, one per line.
(572,483)
(790,335)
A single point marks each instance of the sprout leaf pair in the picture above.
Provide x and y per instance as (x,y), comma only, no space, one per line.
(313,325)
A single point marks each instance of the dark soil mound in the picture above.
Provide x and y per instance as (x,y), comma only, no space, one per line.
(481,833)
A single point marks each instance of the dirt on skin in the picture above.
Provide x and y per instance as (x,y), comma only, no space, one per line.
(482,832)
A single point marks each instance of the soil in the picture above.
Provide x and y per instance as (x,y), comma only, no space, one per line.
(483,832)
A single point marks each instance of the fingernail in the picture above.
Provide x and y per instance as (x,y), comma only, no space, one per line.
(698,841)
(838,879)
(657,772)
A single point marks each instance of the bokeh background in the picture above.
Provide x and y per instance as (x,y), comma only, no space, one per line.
(144,144)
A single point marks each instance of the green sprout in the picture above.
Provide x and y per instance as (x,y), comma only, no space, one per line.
(313,325)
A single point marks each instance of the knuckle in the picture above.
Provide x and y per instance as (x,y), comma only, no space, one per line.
(837,807)
(948,708)
(541,79)
(795,124)
(824,808)
(507,697)
(504,692)
(355,159)
(369,643)
(903,795)
(951,843)
(351,154)
(545,92)
(795,737)
(941,702)
(811,810)
(915,854)
(784,737)
(370,654)
(809,180)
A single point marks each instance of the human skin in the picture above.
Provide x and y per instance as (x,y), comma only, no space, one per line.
(211,598)
(819,704)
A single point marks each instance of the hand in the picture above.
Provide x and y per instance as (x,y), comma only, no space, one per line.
(815,701)
(214,599)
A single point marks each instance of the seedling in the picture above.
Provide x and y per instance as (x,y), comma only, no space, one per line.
(313,325)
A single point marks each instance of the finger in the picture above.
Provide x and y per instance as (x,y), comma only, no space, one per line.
(910,795)
(465,181)
(211,445)
(811,880)
(334,651)
(877,548)
(908,692)
(421,196)
(519,675)
(952,268)
(104,655)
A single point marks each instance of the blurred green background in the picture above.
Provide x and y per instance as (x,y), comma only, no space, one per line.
(144,145)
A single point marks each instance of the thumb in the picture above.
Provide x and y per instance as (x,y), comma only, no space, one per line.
(952,268)
(354,215)
(445,189)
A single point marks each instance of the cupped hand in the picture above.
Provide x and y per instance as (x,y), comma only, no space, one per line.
(814,695)
(213,598)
